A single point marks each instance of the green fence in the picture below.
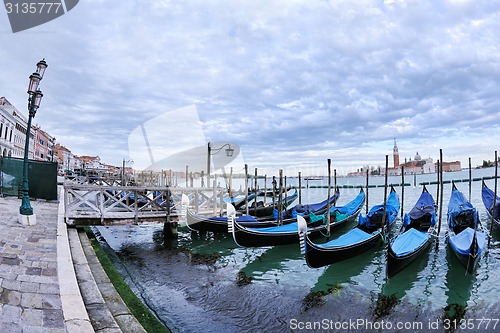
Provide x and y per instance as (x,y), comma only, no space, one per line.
(42,178)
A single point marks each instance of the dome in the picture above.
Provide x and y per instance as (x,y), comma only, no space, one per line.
(417,157)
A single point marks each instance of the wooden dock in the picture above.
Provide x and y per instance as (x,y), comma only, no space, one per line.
(91,204)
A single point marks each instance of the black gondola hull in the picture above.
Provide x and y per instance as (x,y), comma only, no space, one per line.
(468,261)
(396,264)
(318,257)
(219,225)
(255,238)
(471,259)
(252,238)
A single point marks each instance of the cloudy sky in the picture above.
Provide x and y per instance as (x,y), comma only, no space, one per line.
(291,82)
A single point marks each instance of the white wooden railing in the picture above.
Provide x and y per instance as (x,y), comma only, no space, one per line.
(103,205)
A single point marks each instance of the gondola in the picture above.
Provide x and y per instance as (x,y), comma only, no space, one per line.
(364,236)
(488,197)
(240,199)
(198,222)
(304,210)
(287,233)
(415,234)
(466,236)
(263,210)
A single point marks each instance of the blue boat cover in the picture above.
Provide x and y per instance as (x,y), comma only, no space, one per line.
(353,237)
(341,212)
(461,243)
(303,210)
(488,197)
(289,227)
(459,206)
(425,206)
(408,242)
(237,199)
(392,208)
(241,218)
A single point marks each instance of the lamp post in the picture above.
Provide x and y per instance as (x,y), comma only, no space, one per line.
(34,99)
(123,170)
(229,153)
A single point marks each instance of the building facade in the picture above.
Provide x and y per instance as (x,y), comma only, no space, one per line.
(17,137)
(67,161)
(44,145)
(7,128)
(13,128)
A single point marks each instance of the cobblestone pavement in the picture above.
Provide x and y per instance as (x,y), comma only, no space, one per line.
(29,290)
(52,282)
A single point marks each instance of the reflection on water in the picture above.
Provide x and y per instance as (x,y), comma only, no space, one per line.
(343,272)
(192,295)
(459,284)
(407,278)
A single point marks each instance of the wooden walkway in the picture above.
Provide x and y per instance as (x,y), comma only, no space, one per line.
(91,204)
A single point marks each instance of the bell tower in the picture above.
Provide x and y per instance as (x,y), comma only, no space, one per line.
(395,154)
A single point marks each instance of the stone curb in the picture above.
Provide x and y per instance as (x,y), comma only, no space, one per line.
(75,314)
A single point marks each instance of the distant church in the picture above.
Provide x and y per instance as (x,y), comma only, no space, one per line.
(418,165)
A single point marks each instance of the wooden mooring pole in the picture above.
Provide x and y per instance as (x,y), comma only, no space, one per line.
(170,231)
(470,180)
(280,199)
(255,191)
(334,187)
(402,189)
(300,189)
(367,190)
(329,161)
(440,185)
(246,189)
(385,197)
(493,209)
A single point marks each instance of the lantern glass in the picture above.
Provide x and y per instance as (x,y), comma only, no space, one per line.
(41,66)
(38,98)
(34,82)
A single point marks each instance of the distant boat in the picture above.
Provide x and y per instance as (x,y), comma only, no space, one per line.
(414,236)
(313,178)
(488,197)
(361,238)
(466,238)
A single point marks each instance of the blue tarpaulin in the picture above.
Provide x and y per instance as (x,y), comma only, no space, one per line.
(408,242)
(341,212)
(461,211)
(377,211)
(424,206)
(354,236)
(488,197)
(461,243)
(289,227)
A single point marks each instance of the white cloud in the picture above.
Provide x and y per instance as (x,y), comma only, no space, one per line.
(298,79)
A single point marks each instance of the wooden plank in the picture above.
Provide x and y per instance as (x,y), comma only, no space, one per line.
(101,205)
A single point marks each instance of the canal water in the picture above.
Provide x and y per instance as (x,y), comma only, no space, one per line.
(206,283)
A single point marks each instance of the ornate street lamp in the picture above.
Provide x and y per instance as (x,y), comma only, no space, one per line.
(34,99)
(229,153)
(123,182)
